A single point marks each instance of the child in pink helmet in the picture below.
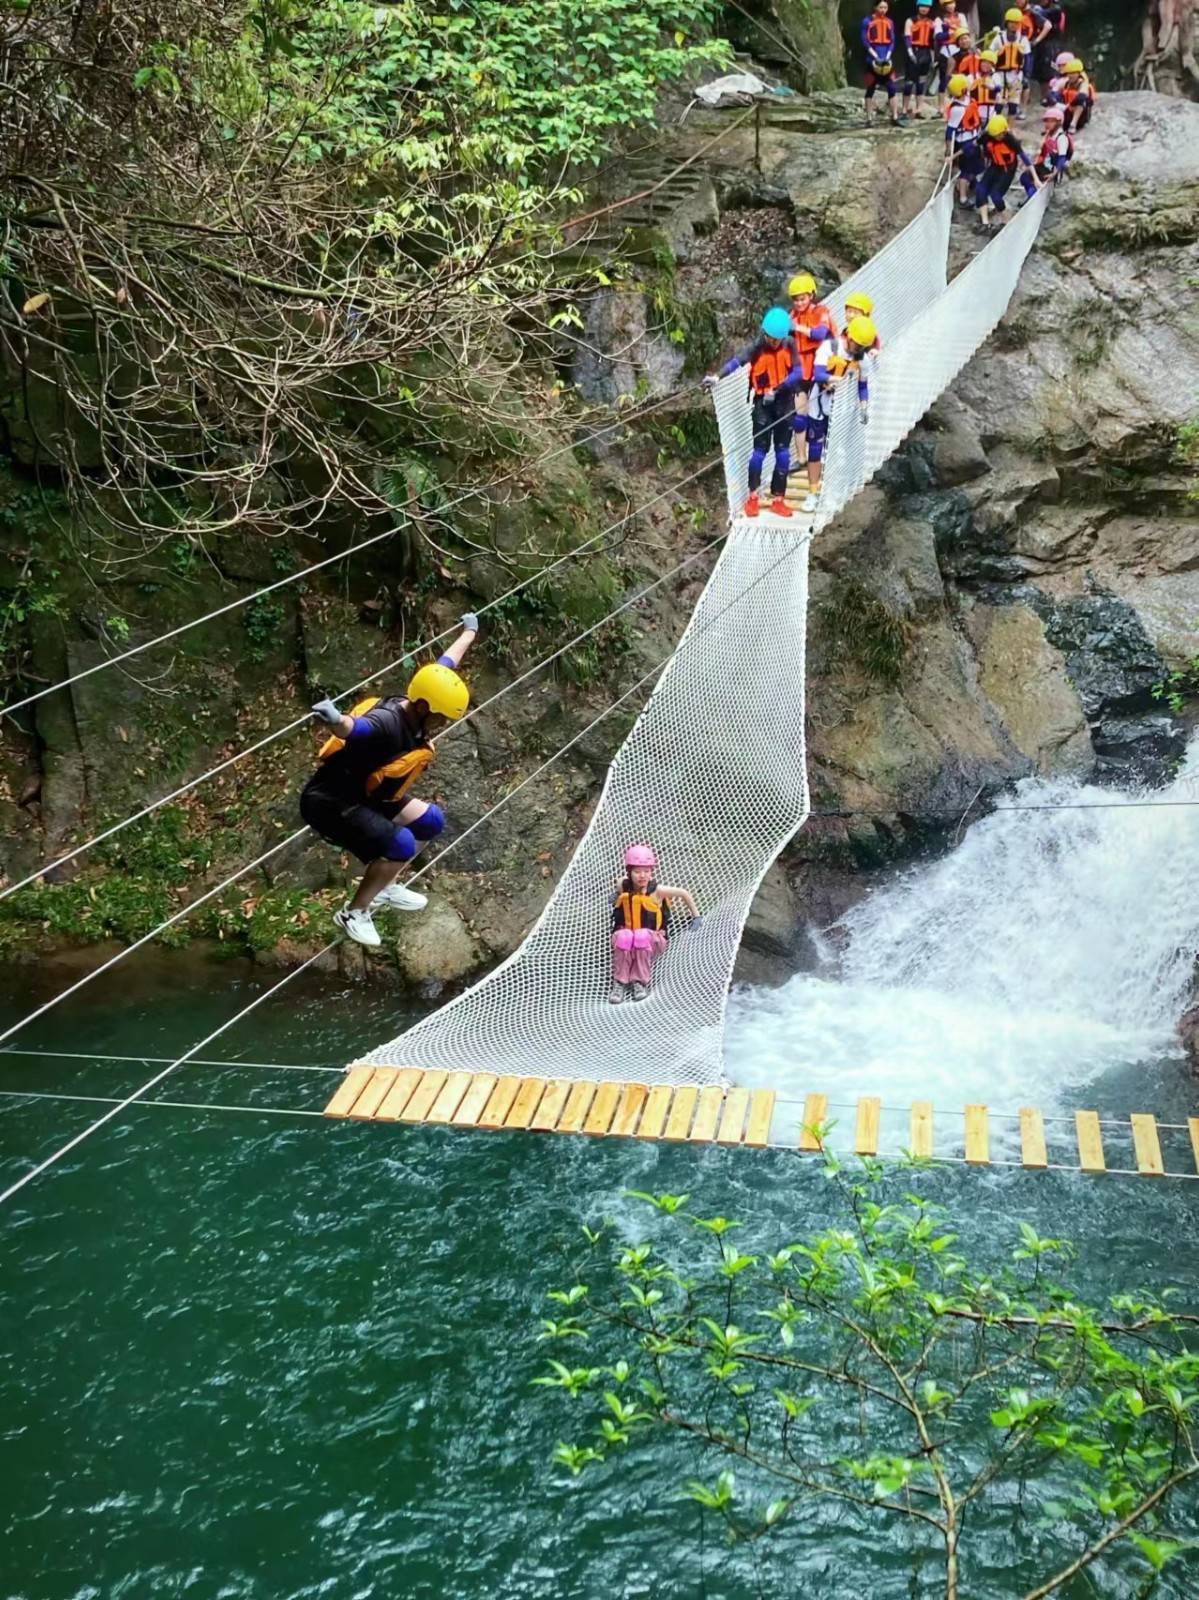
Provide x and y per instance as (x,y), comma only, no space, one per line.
(640,921)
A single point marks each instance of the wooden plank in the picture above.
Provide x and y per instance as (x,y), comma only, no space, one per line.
(1193,1126)
(761,1113)
(678,1124)
(865,1138)
(815,1114)
(528,1098)
(978,1136)
(577,1102)
(473,1101)
(707,1114)
(922,1128)
(348,1090)
(373,1096)
(1090,1141)
(422,1098)
(448,1101)
(632,1102)
(603,1108)
(499,1103)
(653,1118)
(550,1109)
(398,1096)
(732,1120)
(1032,1138)
(1147,1144)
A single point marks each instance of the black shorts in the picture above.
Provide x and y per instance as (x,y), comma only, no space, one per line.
(360,829)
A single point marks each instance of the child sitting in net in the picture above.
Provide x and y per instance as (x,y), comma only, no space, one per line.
(640,924)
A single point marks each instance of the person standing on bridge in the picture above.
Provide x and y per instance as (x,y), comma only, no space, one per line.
(837,361)
(878,41)
(358,798)
(774,375)
(811,323)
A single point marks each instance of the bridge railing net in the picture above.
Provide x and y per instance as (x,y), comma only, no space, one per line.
(713,772)
(906,275)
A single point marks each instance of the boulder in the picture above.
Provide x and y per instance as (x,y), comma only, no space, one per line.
(432,948)
(1188,1034)
(1025,679)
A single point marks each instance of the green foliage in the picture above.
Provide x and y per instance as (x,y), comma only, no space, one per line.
(262,620)
(872,1366)
(865,633)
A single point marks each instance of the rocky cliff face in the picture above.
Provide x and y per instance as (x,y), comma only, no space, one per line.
(1002,601)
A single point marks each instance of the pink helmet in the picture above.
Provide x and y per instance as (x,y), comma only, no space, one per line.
(640,855)
(1053,114)
(1062,57)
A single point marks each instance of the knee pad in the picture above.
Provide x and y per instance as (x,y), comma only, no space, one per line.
(782,460)
(623,939)
(430,824)
(757,457)
(402,846)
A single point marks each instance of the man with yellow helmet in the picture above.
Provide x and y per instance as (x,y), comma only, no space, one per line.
(358,798)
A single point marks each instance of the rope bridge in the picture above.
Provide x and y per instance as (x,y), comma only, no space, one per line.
(713,773)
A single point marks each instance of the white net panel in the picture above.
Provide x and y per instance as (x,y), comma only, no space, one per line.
(713,772)
(906,276)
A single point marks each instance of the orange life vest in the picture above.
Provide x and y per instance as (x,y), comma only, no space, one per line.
(399,775)
(922,32)
(769,368)
(802,323)
(986,91)
(967,65)
(1011,57)
(880,31)
(971,120)
(1028,25)
(637,911)
(1000,153)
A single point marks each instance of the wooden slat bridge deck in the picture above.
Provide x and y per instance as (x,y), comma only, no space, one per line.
(714,1115)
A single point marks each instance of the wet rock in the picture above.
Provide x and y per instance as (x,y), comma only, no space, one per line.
(1109,657)
(1145,749)
(1025,680)
(957,450)
(1188,1034)
(434,946)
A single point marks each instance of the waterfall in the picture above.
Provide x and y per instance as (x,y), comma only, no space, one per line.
(1049,948)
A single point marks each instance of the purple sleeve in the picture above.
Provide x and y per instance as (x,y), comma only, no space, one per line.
(820,332)
(447,661)
(741,359)
(863,386)
(362,726)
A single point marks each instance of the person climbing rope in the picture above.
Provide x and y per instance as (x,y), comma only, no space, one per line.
(1003,155)
(878,41)
(836,360)
(358,797)
(811,324)
(919,38)
(1011,51)
(774,375)
(1056,152)
(641,924)
(963,128)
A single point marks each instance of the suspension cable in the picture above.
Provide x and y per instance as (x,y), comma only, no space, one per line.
(210,894)
(342,555)
(300,721)
(148,1061)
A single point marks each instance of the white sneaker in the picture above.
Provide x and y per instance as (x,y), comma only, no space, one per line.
(400,899)
(357,925)
(811,501)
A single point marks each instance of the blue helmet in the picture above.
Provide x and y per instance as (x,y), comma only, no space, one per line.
(776,324)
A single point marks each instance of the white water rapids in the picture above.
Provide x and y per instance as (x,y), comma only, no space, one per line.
(1051,948)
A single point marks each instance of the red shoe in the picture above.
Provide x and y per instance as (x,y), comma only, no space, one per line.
(752,506)
(780,508)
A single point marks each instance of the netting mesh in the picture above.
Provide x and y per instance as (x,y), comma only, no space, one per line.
(713,773)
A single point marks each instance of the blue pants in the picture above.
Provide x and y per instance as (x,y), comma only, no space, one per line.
(773,422)
(993,185)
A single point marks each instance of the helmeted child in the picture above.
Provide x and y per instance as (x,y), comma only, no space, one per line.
(919,37)
(1003,156)
(774,375)
(641,923)
(837,361)
(811,323)
(987,89)
(1057,149)
(1011,50)
(967,58)
(878,41)
(963,130)
(859,304)
(1076,96)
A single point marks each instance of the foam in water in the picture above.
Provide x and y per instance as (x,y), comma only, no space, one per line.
(1051,947)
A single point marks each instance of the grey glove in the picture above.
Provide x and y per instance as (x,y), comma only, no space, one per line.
(864,413)
(327,712)
(710,380)
(470,622)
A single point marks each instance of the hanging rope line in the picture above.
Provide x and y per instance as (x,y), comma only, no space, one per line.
(343,555)
(500,693)
(19,1051)
(587,547)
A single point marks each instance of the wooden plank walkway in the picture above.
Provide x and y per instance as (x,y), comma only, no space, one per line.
(739,1116)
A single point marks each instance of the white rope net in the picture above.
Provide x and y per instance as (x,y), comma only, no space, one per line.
(713,773)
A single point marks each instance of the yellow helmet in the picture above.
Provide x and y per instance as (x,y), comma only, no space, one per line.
(862,332)
(960,33)
(1075,66)
(1013,14)
(996,126)
(442,690)
(857,301)
(990,55)
(802,283)
(958,84)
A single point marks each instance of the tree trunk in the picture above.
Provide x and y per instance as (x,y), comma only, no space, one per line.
(1167,59)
